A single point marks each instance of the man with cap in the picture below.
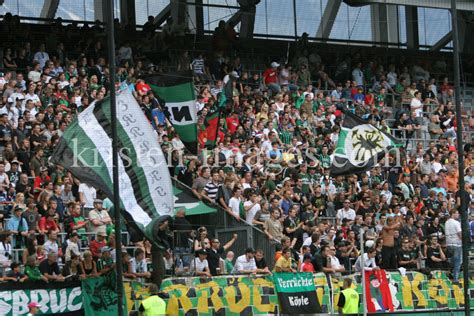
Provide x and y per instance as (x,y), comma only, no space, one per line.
(245,264)
(153,305)
(105,264)
(18,227)
(33,309)
(200,265)
(99,218)
(270,78)
(97,244)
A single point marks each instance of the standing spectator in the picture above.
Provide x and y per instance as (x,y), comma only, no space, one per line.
(235,203)
(41,56)
(97,244)
(273,227)
(389,255)
(51,245)
(99,218)
(87,195)
(270,78)
(18,227)
(214,254)
(200,182)
(251,207)
(453,232)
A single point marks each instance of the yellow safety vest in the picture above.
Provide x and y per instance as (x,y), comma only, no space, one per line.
(154,306)
(352,301)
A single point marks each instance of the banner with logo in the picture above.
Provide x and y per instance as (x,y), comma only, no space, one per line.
(296,293)
(62,298)
(100,296)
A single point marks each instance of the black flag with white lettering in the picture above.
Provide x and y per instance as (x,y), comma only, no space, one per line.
(296,293)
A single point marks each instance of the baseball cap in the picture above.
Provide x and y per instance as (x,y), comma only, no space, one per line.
(34,305)
(275,64)
(105,249)
(98,201)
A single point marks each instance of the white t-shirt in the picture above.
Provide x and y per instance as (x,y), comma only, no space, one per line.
(234,204)
(250,214)
(451,229)
(416,106)
(358,76)
(198,265)
(349,214)
(242,264)
(89,194)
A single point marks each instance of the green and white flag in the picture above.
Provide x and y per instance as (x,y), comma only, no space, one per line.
(85,149)
(360,146)
(296,293)
(177,90)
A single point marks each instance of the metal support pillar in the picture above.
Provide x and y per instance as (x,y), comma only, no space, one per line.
(100,10)
(442,42)
(162,16)
(127,12)
(196,16)
(247,22)
(384,23)
(413,37)
(178,11)
(49,9)
(328,19)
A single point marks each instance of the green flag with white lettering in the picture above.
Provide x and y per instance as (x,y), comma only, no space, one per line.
(177,90)
(296,293)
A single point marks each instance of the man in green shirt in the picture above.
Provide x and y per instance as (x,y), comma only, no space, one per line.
(105,264)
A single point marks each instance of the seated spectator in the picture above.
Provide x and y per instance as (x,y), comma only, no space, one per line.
(228,262)
(283,263)
(139,265)
(49,268)
(262,266)
(199,266)
(32,270)
(369,261)
(245,264)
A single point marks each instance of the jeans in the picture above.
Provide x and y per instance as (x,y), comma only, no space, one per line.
(183,255)
(274,87)
(456,261)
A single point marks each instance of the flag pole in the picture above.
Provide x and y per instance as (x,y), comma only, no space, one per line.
(115,171)
(463,209)
(362,261)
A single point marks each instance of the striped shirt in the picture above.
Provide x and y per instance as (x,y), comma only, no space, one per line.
(211,189)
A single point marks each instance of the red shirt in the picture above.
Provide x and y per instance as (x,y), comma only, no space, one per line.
(307,267)
(270,76)
(95,247)
(46,224)
(142,87)
(232,124)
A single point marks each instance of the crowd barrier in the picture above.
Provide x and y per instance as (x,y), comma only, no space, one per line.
(229,295)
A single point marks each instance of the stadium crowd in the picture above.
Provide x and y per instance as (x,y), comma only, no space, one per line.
(275,145)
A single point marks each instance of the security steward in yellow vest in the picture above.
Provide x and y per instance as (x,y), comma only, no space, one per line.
(153,305)
(348,299)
